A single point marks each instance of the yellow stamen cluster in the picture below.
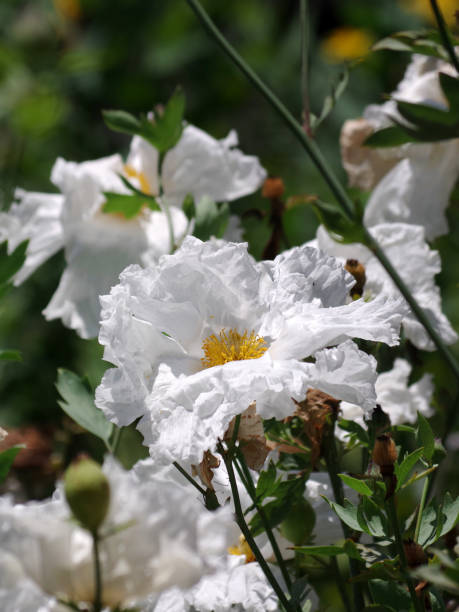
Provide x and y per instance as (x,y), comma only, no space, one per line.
(132,173)
(232,346)
(242,548)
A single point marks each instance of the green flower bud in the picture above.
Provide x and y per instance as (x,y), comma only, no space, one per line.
(87,491)
(299,523)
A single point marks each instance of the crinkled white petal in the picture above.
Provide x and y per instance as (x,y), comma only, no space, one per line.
(417,190)
(186,415)
(399,400)
(202,166)
(416,263)
(155,321)
(163,526)
(34,217)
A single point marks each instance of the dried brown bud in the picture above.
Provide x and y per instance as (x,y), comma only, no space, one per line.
(204,469)
(273,188)
(251,436)
(414,554)
(384,453)
(357,270)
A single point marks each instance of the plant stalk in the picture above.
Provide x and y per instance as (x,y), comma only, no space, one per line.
(392,513)
(248,536)
(443,30)
(97,606)
(304,25)
(269,532)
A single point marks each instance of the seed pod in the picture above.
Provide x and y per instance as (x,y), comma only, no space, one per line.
(273,188)
(87,491)
(414,554)
(357,270)
(299,523)
(384,452)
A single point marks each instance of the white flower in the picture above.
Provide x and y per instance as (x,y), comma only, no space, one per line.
(417,179)
(416,263)
(165,538)
(400,401)
(3,434)
(242,587)
(98,245)
(199,337)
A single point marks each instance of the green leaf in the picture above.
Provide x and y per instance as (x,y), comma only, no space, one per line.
(266,482)
(78,403)
(358,485)
(211,219)
(348,514)
(121,121)
(375,519)
(331,99)
(10,264)
(423,115)
(10,355)
(450,86)
(348,548)
(403,469)
(438,519)
(424,42)
(390,594)
(166,129)
(340,226)
(426,437)
(356,429)
(127,205)
(450,514)
(7,458)
(392,136)
(150,200)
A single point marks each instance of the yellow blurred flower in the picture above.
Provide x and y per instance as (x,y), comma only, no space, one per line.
(346,43)
(423,8)
(69,9)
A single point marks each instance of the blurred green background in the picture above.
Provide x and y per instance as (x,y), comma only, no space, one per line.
(63,61)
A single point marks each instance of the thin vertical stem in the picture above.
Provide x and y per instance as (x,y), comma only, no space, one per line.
(331,460)
(269,532)
(421,508)
(392,513)
(248,536)
(97,607)
(304,25)
(190,479)
(446,40)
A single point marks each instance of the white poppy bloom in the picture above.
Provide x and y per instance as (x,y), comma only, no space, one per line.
(414,180)
(397,398)
(162,536)
(98,245)
(416,263)
(199,337)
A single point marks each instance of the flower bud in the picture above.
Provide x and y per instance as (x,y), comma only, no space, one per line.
(87,491)
(414,554)
(299,523)
(357,270)
(273,188)
(384,452)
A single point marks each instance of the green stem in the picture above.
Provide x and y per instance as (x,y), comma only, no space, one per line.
(418,311)
(341,585)
(444,34)
(331,460)
(392,513)
(304,10)
(422,503)
(335,186)
(248,536)
(97,607)
(251,490)
(308,144)
(189,478)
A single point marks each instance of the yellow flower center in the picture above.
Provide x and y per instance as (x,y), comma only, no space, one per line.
(232,346)
(242,548)
(144,185)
